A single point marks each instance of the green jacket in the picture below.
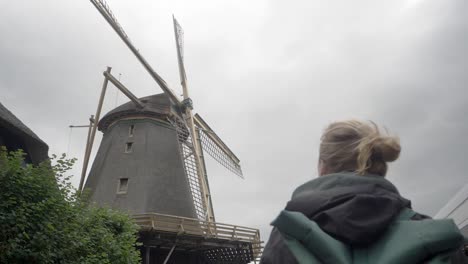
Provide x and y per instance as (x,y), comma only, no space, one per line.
(344,218)
(406,241)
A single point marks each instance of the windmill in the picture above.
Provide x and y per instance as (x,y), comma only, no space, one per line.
(151,163)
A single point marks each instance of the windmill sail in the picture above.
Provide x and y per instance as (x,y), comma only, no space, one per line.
(198,163)
(179,36)
(216,148)
(105,11)
(210,142)
(187,151)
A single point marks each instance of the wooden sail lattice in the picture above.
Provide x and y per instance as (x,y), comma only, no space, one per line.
(218,154)
(186,149)
(103,7)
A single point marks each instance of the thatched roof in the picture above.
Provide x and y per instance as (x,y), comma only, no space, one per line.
(158,105)
(35,147)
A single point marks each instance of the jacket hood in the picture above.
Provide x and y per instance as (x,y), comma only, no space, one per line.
(352,208)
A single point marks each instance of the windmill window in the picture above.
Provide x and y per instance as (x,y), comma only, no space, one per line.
(128,147)
(131,129)
(123,185)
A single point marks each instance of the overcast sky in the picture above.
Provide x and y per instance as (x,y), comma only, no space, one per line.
(268,76)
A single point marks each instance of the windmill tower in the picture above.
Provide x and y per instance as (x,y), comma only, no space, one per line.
(151,164)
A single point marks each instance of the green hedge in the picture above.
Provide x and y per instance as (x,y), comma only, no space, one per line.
(43,220)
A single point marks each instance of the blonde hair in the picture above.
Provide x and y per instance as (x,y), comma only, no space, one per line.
(358,146)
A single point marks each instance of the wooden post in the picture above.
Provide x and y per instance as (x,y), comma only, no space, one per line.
(124,89)
(209,208)
(201,170)
(147,255)
(93,131)
(91,121)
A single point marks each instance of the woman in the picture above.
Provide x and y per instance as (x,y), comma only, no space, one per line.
(352,214)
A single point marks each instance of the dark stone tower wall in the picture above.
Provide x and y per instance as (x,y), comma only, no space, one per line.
(152,165)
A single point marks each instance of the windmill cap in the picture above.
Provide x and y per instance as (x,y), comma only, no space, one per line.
(156,106)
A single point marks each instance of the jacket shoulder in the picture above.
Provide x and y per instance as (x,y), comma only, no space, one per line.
(276,251)
(459,256)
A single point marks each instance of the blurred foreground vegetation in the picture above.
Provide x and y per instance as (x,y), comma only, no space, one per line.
(43,220)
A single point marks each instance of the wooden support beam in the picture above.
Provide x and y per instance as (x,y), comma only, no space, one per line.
(90,126)
(170,253)
(147,255)
(110,18)
(93,131)
(79,126)
(123,89)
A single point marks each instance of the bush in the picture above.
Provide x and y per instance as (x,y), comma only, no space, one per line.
(43,220)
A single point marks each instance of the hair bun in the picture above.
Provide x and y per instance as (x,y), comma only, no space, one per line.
(387,148)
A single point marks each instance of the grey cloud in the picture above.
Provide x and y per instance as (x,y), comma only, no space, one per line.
(268,77)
